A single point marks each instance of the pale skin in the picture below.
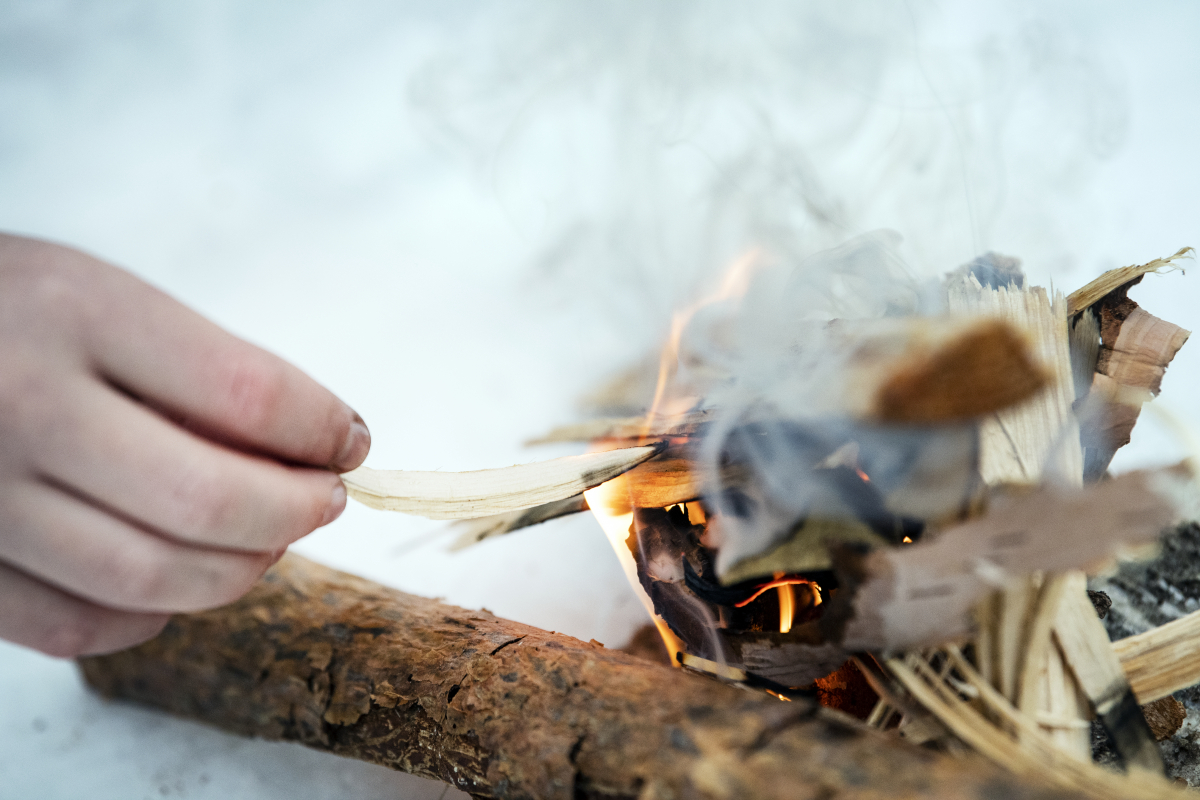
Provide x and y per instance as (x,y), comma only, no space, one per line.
(150,462)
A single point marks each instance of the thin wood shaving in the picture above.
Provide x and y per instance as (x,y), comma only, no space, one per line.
(467,495)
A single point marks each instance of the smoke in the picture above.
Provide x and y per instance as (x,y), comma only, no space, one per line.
(645,147)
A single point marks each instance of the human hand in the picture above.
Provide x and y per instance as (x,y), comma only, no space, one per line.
(150,462)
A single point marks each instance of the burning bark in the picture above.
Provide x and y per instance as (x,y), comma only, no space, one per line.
(500,709)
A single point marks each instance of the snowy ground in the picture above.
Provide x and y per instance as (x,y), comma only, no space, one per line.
(459,215)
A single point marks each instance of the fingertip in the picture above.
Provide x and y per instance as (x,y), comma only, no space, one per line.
(337,504)
(126,630)
(355,447)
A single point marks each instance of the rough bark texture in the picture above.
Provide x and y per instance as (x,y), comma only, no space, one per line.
(504,710)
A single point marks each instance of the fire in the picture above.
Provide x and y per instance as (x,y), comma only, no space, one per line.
(734,284)
(787,607)
(602,501)
(610,502)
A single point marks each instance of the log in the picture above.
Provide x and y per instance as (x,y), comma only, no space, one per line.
(504,710)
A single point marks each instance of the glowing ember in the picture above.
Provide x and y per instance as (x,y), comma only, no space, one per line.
(787,607)
(779,583)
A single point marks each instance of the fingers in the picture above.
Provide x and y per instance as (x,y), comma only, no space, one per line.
(66,542)
(122,456)
(50,620)
(172,358)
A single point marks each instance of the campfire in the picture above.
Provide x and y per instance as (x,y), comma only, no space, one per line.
(890,511)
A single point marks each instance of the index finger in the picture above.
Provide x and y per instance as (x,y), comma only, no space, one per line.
(174,359)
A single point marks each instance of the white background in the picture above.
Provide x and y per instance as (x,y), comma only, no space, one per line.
(460,217)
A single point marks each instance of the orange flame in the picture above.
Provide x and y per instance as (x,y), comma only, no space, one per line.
(610,502)
(734,284)
(604,500)
(787,607)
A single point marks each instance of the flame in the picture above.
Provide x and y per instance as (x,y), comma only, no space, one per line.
(734,284)
(603,501)
(787,607)
(611,502)
(866,478)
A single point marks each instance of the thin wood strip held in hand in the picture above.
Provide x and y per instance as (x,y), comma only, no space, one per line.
(467,495)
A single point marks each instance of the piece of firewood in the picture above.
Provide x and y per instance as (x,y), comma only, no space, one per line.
(1162,660)
(1024,444)
(467,495)
(1021,443)
(500,709)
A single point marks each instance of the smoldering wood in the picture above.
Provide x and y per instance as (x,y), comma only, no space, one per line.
(504,710)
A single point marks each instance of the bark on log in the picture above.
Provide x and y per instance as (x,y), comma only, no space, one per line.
(503,710)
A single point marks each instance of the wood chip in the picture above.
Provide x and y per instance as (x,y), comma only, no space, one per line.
(1021,443)
(467,495)
(979,368)
(922,594)
(1116,278)
(1162,660)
